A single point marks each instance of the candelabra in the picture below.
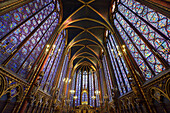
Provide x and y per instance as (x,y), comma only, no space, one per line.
(66,80)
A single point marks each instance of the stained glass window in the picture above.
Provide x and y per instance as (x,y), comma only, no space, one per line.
(56,63)
(87,85)
(119,80)
(25,32)
(97,90)
(63,73)
(119,66)
(78,89)
(16,17)
(154,18)
(32,48)
(84,86)
(146,34)
(73,88)
(51,73)
(85,80)
(122,65)
(52,62)
(117,69)
(107,68)
(91,89)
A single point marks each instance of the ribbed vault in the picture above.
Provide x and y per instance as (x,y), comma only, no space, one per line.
(85,22)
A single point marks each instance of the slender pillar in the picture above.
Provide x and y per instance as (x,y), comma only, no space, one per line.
(88,86)
(111,71)
(75,89)
(57,76)
(104,79)
(93,82)
(100,95)
(67,76)
(70,85)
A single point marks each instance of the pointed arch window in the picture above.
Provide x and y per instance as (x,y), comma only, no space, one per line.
(91,89)
(10,20)
(85,78)
(107,77)
(63,73)
(119,66)
(97,92)
(24,33)
(84,88)
(73,88)
(146,34)
(51,65)
(78,89)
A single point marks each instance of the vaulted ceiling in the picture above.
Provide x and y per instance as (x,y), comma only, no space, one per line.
(85,22)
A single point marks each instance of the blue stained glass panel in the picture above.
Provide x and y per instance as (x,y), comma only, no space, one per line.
(21,33)
(141,46)
(13,18)
(78,87)
(51,60)
(156,19)
(38,48)
(153,37)
(111,57)
(27,48)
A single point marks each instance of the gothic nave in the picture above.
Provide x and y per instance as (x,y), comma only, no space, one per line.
(84,56)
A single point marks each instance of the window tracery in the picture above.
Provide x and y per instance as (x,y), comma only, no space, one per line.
(51,65)
(91,89)
(24,32)
(145,33)
(78,89)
